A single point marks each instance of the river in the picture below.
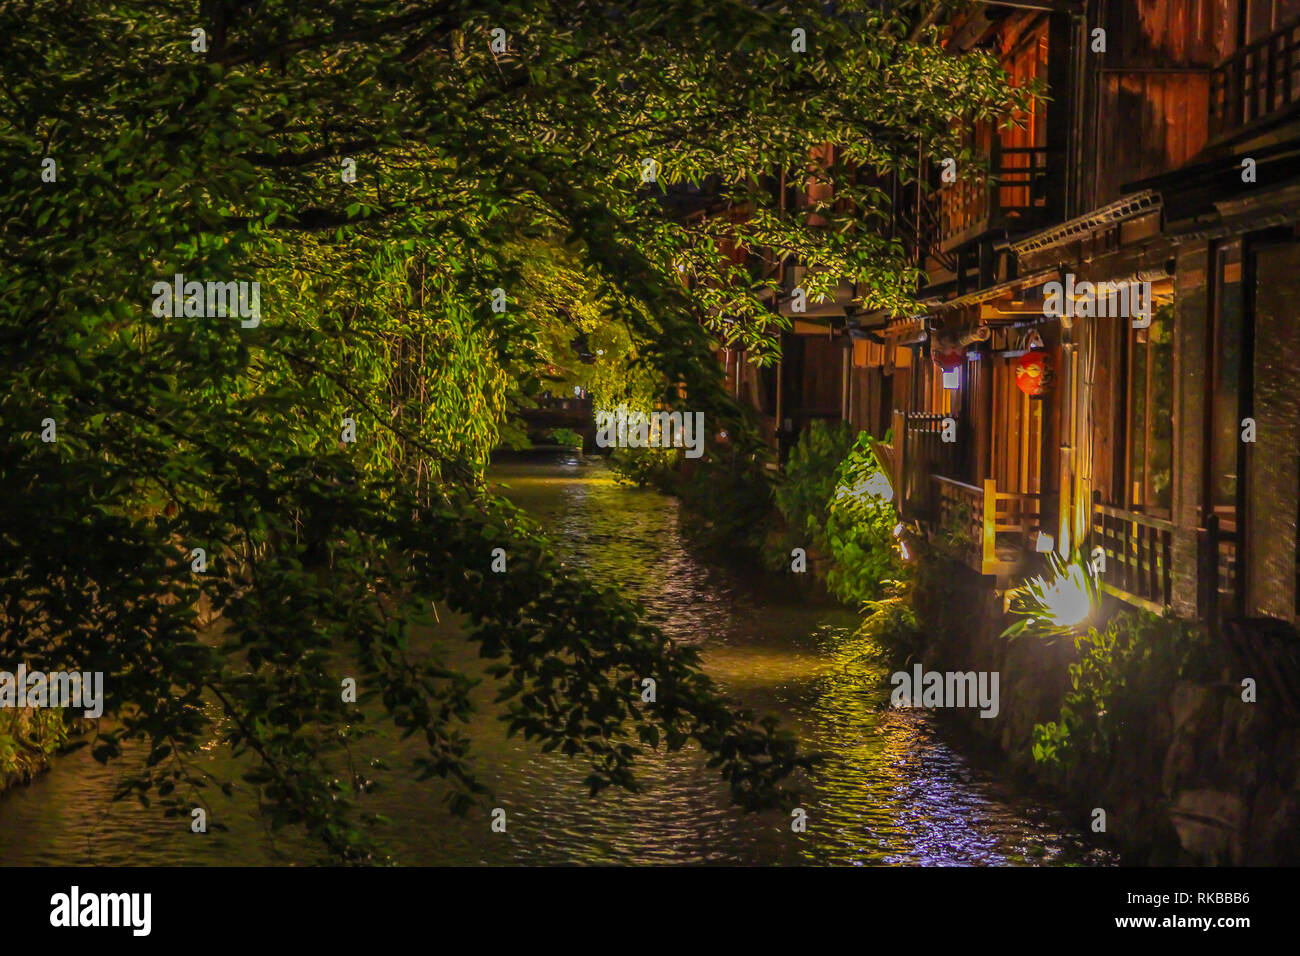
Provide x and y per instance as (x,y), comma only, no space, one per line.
(890,792)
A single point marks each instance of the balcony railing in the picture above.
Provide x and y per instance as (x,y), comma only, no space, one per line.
(960,508)
(1258,83)
(1138,549)
(1013,197)
(919,452)
(995,524)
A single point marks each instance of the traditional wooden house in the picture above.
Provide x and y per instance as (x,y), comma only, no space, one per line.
(1163,224)
(1107,314)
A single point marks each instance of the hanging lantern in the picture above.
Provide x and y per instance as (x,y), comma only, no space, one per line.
(1034,372)
(950,360)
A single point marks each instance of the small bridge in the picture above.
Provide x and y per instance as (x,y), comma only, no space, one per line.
(554,412)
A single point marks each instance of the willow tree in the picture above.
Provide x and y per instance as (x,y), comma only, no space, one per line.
(381,168)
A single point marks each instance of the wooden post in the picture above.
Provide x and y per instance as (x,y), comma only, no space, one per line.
(780,401)
(900,461)
(990,543)
(1098,539)
(1210,572)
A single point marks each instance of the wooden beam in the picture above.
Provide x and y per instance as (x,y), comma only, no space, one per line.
(1047,6)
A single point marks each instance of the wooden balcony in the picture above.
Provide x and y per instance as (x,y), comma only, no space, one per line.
(1138,550)
(1256,86)
(995,524)
(919,452)
(1013,198)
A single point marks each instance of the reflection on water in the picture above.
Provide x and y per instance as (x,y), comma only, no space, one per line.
(888,792)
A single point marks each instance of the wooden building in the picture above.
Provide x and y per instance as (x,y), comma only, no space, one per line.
(1160,178)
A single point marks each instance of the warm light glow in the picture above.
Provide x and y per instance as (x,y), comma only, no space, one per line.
(878,485)
(1066,597)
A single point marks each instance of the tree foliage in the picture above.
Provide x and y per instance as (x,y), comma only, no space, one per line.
(224,157)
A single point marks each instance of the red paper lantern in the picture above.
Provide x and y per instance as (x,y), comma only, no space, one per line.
(1034,372)
(950,360)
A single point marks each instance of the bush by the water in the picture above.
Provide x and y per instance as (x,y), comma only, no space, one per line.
(643,467)
(567,437)
(804,492)
(28,736)
(860,522)
(1123,672)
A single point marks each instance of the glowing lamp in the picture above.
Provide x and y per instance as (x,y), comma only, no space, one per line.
(1033,372)
(879,486)
(1066,598)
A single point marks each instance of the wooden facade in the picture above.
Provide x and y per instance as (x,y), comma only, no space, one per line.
(1132,171)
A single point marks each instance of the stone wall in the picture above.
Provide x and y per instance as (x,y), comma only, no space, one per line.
(1201,777)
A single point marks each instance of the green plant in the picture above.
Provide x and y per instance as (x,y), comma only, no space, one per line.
(891,620)
(1123,673)
(804,491)
(860,523)
(643,467)
(28,737)
(729,499)
(1057,604)
(566,437)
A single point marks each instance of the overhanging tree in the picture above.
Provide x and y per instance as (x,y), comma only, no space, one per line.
(137,148)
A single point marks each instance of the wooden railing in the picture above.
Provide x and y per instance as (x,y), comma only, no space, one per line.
(1012,196)
(960,508)
(1137,548)
(1258,82)
(562,403)
(917,220)
(984,514)
(1011,510)
(919,452)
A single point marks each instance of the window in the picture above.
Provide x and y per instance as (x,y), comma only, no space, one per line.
(1150,415)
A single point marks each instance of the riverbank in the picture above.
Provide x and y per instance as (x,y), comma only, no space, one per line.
(1185,771)
(1192,773)
(29,737)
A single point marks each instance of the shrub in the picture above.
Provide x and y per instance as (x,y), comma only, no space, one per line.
(804,491)
(643,467)
(566,437)
(730,501)
(860,524)
(1122,673)
(1057,604)
(891,622)
(28,736)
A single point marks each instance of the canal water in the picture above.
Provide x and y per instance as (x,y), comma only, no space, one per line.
(891,791)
